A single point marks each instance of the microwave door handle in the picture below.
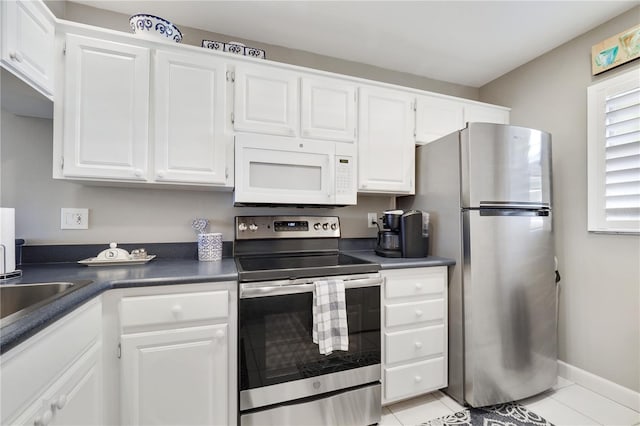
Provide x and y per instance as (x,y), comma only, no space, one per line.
(247,292)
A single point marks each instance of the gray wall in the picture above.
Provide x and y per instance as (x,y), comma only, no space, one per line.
(154,215)
(126,215)
(116,21)
(600,299)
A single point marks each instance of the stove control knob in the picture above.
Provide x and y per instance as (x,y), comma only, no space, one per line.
(316,226)
(253,227)
(334,226)
(242,227)
(325,226)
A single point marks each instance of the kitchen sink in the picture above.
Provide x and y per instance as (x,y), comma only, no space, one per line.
(17,300)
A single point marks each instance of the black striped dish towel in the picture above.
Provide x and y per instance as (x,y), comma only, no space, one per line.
(330,330)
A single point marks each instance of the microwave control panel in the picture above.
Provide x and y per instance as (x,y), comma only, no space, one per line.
(344,175)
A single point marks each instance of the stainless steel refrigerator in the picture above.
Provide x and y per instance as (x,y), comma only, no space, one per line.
(487,189)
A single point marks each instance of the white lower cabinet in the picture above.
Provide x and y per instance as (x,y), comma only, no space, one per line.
(55,377)
(175,376)
(414,332)
(178,352)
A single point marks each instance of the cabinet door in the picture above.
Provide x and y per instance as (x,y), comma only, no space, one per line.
(328,109)
(106,109)
(474,113)
(76,398)
(437,117)
(266,100)
(175,377)
(80,400)
(189,119)
(27,42)
(386,153)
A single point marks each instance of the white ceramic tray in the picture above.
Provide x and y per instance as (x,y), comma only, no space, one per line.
(94,261)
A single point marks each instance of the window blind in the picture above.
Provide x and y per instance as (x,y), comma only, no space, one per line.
(613,154)
(622,156)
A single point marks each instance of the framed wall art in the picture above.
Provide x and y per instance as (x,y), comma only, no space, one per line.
(616,50)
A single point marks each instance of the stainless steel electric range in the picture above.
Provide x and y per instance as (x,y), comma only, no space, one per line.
(283,378)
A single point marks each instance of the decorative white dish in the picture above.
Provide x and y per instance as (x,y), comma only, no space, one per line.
(94,261)
(234,47)
(154,27)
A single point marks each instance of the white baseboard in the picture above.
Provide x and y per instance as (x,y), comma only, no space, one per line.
(620,394)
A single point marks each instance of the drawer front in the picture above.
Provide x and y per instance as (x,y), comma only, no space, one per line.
(414,312)
(173,308)
(414,379)
(414,282)
(413,344)
(35,364)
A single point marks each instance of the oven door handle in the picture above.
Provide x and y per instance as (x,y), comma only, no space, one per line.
(248,291)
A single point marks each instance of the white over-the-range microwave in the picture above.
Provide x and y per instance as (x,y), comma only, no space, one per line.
(294,171)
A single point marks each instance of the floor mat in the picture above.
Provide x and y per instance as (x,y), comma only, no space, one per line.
(509,414)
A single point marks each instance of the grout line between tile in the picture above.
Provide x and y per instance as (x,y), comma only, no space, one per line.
(573,409)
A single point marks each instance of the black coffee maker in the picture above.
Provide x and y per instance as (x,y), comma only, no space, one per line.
(414,237)
(403,235)
(389,236)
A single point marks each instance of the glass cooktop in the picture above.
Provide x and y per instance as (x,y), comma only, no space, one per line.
(291,266)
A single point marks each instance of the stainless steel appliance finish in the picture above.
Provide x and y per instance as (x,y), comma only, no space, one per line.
(282,373)
(357,407)
(488,191)
(17,300)
(289,391)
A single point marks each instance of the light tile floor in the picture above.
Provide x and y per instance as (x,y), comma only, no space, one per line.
(565,404)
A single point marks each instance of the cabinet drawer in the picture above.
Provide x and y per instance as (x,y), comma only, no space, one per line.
(173,308)
(408,345)
(414,282)
(414,312)
(35,364)
(414,379)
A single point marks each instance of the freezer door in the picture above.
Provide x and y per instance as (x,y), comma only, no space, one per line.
(510,304)
(505,165)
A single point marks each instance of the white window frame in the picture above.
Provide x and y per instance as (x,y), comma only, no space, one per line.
(597,95)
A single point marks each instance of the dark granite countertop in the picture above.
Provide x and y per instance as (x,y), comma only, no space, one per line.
(400,262)
(157,272)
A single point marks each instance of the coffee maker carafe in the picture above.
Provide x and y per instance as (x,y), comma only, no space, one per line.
(389,244)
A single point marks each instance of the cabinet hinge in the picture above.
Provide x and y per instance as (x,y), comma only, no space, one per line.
(119,351)
(233,76)
(64,48)
(233,118)
(62,163)
(226,173)
(415,106)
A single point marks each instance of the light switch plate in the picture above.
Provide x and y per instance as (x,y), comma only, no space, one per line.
(74,218)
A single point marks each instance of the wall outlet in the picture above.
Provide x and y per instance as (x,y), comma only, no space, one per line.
(74,218)
(372,220)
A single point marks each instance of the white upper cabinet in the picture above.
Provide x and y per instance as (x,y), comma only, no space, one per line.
(475,113)
(386,161)
(266,100)
(106,109)
(437,117)
(190,141)
(28,30)
(328,109)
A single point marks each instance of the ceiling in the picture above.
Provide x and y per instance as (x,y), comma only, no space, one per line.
(465,42)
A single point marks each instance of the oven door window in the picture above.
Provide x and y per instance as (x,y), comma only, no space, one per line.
(276,344)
